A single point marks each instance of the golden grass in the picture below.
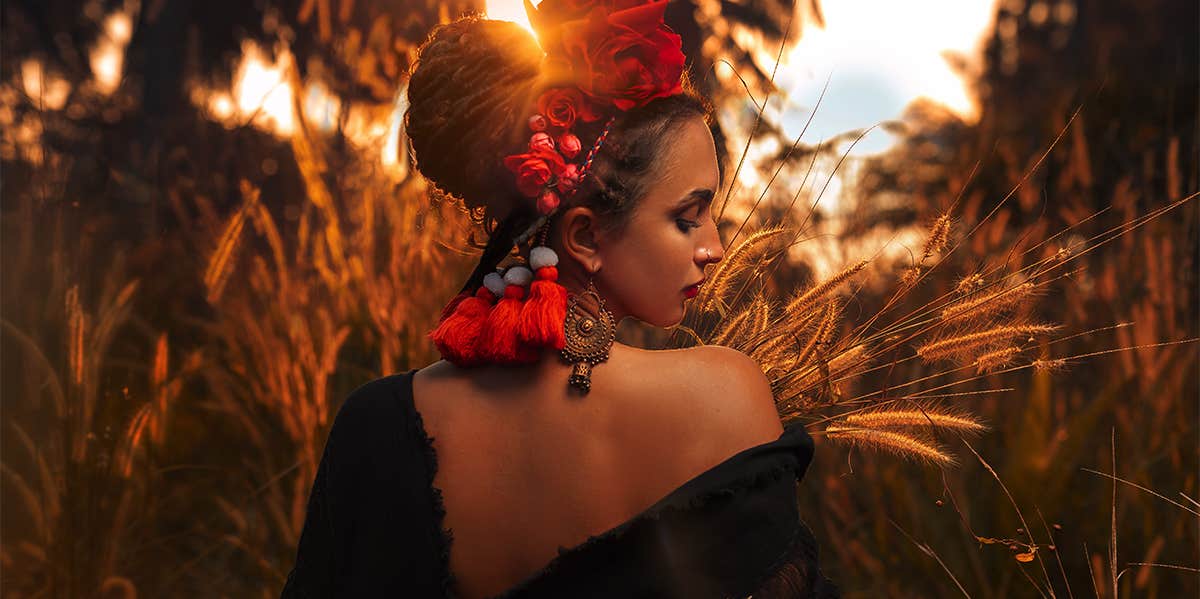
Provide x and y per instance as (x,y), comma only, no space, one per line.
(931,417)
(989,304)
(964,344)
(996,359)
(746,256)
(901,444)
(809,298)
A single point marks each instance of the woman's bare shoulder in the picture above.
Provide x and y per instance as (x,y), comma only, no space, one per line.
(721,391)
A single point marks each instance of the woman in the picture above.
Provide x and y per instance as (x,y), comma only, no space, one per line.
(539,458)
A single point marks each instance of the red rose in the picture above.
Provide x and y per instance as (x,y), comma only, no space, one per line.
(624,58)
(541,141)
(568,180)
(537,122)
(547,202)
(534,170)
(563,105)
(569,145)
(552,13)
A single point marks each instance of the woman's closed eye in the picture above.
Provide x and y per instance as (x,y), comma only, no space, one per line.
(686,225)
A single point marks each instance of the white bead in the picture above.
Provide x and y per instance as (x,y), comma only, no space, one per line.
(495,283)
(542,256)
(518,275)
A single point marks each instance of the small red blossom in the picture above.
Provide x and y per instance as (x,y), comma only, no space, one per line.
(541,141)
(569,145)
(534,170)
(568,180)
(547,202)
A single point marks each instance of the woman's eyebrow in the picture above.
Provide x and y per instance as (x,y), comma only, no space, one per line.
(703,197)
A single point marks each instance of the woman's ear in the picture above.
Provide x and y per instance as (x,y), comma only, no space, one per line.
(579,231)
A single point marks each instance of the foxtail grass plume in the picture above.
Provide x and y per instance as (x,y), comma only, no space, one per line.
(988,304)
(960,346)
(939,235)
(995,359)
(810,298)
(969,284)
(1049,365)
(746,255)
(901,444)
(919,418)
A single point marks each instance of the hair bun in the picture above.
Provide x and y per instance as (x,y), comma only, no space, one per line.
(468,95)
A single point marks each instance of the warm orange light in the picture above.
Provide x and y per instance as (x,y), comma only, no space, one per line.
(107,57)
(261,94)
(46,89)
(510,10)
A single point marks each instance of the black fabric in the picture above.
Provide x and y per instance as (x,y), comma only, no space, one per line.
(374,522)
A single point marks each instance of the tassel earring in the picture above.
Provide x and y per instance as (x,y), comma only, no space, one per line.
(458,334)
(499,340)
(450,307)
(544,312)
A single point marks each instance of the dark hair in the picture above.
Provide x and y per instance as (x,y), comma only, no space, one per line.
(470,93)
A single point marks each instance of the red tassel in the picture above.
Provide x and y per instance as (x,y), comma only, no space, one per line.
(457,336)
(544,312)
(499,343)
(449,309)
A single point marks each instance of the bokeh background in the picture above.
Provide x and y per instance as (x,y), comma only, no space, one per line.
(211,234)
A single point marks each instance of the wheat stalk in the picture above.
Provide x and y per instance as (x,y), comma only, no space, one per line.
(217,272)
(810,297)
(1048,365)
(965,343)
(740,258)
(939,234)
(734,327)
(907,418)
(990,303)
(969,284)
(995,359)
(902,444)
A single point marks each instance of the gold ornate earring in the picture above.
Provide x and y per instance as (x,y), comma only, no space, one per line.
(588,338)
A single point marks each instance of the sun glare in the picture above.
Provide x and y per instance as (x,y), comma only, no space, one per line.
(509,10)
(879,57)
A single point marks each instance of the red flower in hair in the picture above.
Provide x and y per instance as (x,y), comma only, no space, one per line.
(561,106)
(549,16)
(569,145)
(541,141)
(535,169)
(625,58)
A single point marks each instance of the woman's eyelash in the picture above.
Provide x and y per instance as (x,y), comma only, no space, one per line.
(685,224)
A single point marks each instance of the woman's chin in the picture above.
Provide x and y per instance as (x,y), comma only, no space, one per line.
(675,317)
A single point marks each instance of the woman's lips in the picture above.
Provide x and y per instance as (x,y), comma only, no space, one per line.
(692,291)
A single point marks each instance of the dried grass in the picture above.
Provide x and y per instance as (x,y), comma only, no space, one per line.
(901,444)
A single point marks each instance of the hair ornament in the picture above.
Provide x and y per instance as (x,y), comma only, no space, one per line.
(605,57)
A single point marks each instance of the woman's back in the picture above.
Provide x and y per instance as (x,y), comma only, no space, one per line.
(526,467)
(538,513)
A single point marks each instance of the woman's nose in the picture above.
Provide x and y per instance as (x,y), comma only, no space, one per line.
(711,251)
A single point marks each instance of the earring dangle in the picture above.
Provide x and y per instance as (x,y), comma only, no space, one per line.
(588,338)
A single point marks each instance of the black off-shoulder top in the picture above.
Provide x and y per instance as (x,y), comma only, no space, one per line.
(374,522)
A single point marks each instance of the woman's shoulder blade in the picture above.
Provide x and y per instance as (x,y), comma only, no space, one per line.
(732,386)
